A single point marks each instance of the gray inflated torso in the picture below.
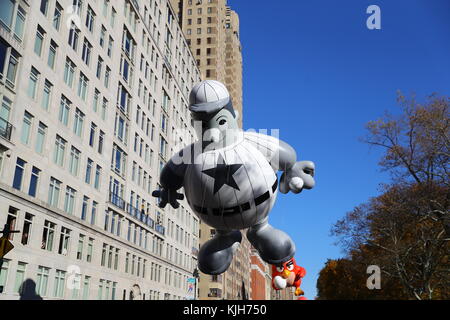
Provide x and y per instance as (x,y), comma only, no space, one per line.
(231,188)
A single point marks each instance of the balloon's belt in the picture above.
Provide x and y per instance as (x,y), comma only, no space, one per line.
(237,209)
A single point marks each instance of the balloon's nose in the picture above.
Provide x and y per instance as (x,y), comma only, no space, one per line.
(285,274)
(212,135)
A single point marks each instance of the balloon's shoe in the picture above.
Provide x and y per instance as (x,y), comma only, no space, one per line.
(215,255)
(274,246)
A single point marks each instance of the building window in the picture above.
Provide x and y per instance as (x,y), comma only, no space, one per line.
(42,281)
(103,260)
(20,23)
(99,67)
(76,286)
(69,72)
(74,34)
(12,64)
(119,160)
(78,4)
(52,54)
(89,166)
(33,82)
(101,139)
(6,12)
(113,17)
(95,100)
(107,74)
(121,129)
(80,247)
(44,7)
(11,221)
(19,284)
(18,174)
(102,36)
(83,86)
(110,46)
(126,70)
(64,240)
(64,110)
(125,99)
(78,123)
(2,157)
(39,40)
(104,108)
(34,182)
(86,53)
(26,233)
(93,212)
(100,290)
(86,287)
(84,208)
(48,235)
(92,134)
(90,249)
(90,19)
(74,164)
(98,172)
(60,278)
(46,95)
(57,16)
(60,148)
(26,128)
(105,7)
(69,201)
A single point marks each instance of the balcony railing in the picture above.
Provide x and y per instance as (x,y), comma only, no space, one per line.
(160,229)
(136,213)
(140,215)
(133,211)
(5,129)
(117,201)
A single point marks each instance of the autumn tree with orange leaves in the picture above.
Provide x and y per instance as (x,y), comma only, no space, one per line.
(405,230)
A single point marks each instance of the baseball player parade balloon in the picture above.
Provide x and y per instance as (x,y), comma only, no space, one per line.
(230,181)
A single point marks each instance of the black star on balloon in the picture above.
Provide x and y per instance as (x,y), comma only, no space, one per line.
(223,174)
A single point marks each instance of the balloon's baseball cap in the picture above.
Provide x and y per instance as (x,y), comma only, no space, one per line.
(207,98)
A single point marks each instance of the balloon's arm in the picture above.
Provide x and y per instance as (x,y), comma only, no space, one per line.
(172,175)
(281,156)
(171,180)
(285,157)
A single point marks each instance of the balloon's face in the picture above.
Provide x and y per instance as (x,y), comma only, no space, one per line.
(231,188)
(219,128)
(285,272)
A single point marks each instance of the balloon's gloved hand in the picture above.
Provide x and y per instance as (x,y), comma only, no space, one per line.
(167,196)
(299,177)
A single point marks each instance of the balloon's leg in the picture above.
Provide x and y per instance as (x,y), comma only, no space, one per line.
(274,246)
(215,255)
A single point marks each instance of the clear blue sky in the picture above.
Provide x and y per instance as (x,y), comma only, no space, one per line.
(313,70)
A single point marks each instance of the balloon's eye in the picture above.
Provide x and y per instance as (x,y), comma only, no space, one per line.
(280,269)
(222,122)
(290,267)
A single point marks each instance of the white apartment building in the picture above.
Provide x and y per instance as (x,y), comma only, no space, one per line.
(93,101)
